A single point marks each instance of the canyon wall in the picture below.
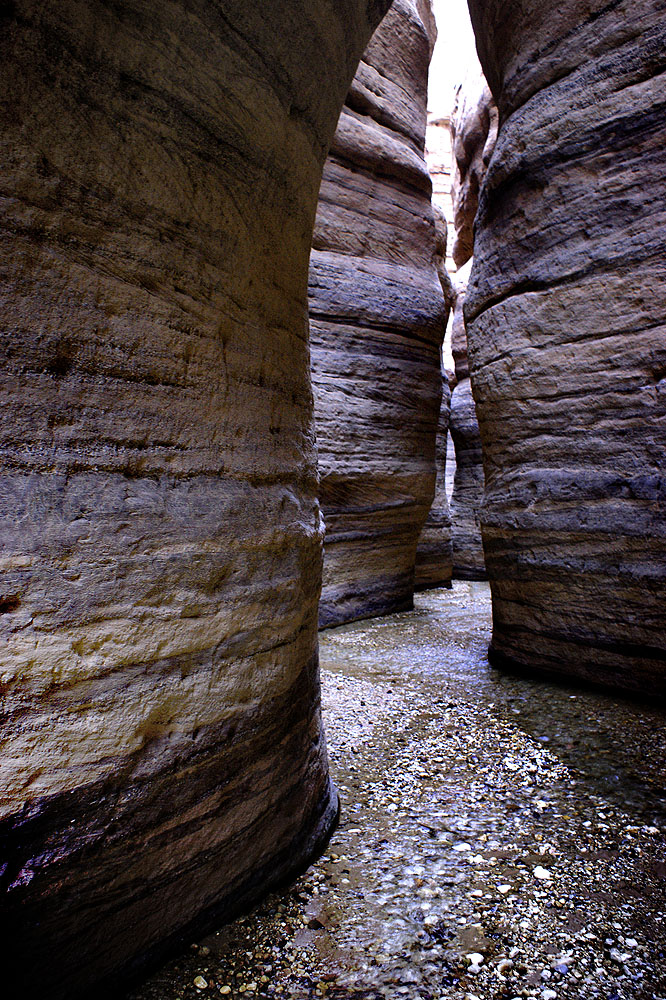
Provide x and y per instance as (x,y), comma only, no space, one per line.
(434,552)
(567,339)
(162,756)
(377,321)
(474,124)
(474,132)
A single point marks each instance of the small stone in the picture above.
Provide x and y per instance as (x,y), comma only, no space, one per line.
(200,983)
(504,966)
(504,889)
(548,995)
(225,990)
(542,873)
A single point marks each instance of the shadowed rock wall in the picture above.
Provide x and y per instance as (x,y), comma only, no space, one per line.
(377,320)
(567,336)
(468,561)
(162,756)
(434,553)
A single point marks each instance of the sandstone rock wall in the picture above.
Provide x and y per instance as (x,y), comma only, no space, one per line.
(377,320)
(468,561)
(474,124)
(162,757)
(434,554)
(566,326)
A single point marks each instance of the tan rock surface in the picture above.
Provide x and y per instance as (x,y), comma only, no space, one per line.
(567,338)
(377,320)
(474,125)
(162,757)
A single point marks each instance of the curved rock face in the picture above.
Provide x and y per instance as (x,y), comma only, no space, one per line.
(434,555)
(567,339)
(162,757)
(458,331)
(377,320)
(468,561)
(467,496)
(474,125)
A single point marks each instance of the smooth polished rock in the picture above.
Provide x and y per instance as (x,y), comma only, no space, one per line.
(377,315)
(162,755)
(567,338)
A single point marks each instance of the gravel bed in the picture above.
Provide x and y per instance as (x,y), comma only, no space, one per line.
(500,837)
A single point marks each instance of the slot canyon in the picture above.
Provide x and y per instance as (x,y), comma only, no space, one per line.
(332,523)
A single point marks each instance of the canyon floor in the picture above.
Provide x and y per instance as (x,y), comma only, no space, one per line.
(500,837)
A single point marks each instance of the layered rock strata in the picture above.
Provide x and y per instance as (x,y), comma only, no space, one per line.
(567,338)
(468,482)
(377,320)
(434,553)
(162,755)
(474,124)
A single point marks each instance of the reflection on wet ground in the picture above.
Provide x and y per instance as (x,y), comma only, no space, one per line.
(500,837)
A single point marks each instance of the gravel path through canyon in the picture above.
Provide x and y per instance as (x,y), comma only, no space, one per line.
(500,837)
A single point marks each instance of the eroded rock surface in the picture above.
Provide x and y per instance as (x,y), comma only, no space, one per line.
(474,125)
(567,338)
(468,561)
(161,749)
(377,320)
(434,555)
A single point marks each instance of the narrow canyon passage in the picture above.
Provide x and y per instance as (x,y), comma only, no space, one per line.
(499,837)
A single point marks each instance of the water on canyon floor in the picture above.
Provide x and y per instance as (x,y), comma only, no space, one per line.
(500,837)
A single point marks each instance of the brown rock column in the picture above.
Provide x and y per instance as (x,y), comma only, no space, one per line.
(162,756)
(377,320)
(567,338)
(468,481)
(434,553)
(468,561)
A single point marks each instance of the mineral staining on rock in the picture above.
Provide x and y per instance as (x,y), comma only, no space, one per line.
(565,318)
(161,543)
(377,317)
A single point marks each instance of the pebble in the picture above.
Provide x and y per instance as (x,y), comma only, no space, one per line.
(409,902)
